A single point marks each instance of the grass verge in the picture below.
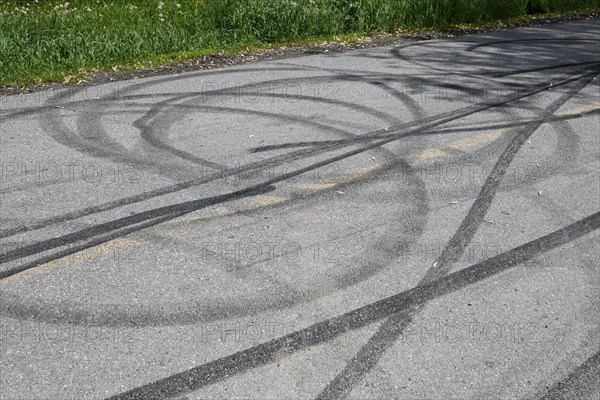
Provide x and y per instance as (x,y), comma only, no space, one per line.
(50,41)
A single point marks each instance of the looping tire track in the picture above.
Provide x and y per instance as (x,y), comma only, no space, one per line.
(436,284)
(102,233)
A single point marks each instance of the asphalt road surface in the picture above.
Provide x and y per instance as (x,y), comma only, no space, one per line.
(409,222)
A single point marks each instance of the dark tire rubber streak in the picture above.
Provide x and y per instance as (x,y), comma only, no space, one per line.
(577,383)
(477,128)
(226,367)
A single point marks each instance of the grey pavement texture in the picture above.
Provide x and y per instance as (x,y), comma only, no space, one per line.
(409,222)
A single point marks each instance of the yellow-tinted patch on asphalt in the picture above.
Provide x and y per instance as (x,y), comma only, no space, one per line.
(263,201)
(462,145)
(81,256)
(316,186)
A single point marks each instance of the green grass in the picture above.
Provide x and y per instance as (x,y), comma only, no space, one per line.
(48,40)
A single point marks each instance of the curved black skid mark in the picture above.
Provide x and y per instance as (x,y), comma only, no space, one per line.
(265,163)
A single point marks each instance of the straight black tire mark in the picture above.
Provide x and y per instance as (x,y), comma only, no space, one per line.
(540,69)
(163,213)
(453,129)
(265,353)
(585,377)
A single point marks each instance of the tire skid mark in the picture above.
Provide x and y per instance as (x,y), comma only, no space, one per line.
(166,315)
(569,39)
(346,280)
(266,200)
(369,138)
(575,384)
(99,144)
(540,69)
(149,134)
(564,155)
(580,112)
